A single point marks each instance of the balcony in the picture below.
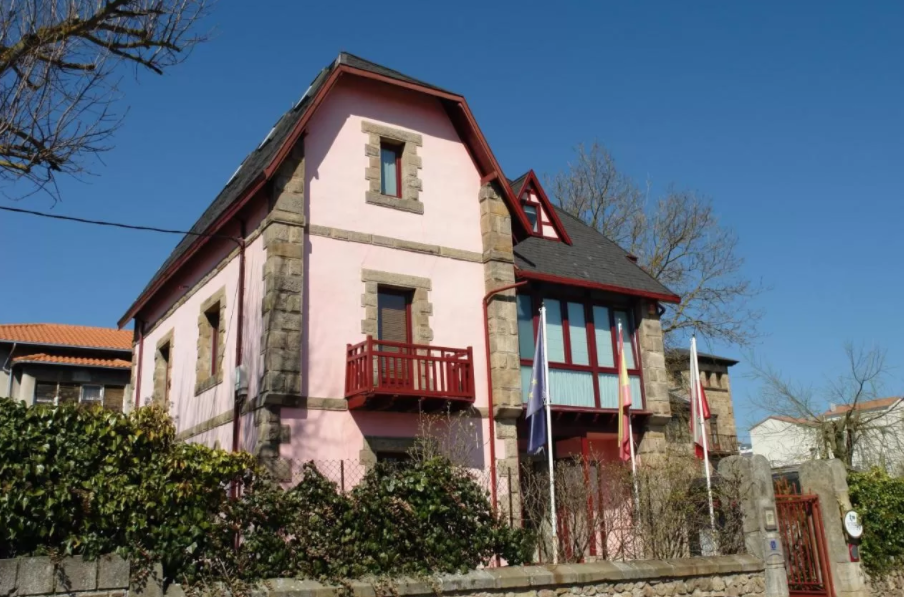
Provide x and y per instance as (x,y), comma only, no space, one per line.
(723,444)
(408,377)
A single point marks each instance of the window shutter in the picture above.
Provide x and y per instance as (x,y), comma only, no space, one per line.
(393,324)
(113,398)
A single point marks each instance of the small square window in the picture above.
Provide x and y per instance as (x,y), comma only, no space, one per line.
(531,212)
(92,394)
(391,169)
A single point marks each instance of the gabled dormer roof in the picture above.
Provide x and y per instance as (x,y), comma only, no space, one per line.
(262,163)
(529,183)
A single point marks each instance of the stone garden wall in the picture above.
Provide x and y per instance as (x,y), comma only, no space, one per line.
(725,576)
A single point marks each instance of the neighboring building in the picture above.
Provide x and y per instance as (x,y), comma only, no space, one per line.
(722,436)
(373,219)
(785,441)
(878,441)
(49,363)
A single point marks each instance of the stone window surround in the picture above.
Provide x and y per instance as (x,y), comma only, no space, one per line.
(421,308)
(411,184)
(160,371)
(374,445)
(203,379)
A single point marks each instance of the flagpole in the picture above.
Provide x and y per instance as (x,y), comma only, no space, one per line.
(552,474)
(630,436)
(697,398)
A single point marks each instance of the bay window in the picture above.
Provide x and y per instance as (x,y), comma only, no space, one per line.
(581,340)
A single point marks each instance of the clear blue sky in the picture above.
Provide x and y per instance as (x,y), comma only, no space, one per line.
(789,115)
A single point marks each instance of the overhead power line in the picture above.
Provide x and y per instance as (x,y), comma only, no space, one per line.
(113,224)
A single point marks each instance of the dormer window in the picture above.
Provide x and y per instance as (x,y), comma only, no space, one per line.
(391,169)
(531,212)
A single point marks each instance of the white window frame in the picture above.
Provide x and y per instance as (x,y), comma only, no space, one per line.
(81,394)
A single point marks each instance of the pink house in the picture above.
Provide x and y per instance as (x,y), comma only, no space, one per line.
(368,261)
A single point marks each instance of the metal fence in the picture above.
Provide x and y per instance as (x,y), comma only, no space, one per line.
(604,512)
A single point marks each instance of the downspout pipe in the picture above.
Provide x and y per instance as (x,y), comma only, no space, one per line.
(492,416)
(239,338)
(9,371)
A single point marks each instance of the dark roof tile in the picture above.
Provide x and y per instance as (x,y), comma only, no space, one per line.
(592,257)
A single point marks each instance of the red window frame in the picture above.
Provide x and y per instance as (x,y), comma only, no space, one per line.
(590,329)
(396,149)
(537,205)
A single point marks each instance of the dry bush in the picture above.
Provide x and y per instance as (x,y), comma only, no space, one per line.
(600,517)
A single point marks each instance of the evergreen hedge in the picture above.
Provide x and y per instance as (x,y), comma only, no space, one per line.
(76,480)
(879,499)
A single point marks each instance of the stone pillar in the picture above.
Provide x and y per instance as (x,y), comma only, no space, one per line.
(655,379)
(828,480)
(502,321)
(761,537)
(281,340)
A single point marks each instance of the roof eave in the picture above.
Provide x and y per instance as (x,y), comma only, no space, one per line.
(490,164)
(79,346)
(54,364)
(541,277)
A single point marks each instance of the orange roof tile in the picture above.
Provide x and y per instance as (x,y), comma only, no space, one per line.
(868,405)
(59,334)
(65,360)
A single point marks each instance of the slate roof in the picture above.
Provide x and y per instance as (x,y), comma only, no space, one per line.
(54,359)
(58,334)
(518,183)
(592,258)
(254,163)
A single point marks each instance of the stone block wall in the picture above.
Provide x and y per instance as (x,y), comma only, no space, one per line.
(727,576)
(891,585)
(655,379)
(107,576)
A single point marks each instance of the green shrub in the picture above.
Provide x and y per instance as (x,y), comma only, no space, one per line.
(421,518)
(76,480)
(879,499)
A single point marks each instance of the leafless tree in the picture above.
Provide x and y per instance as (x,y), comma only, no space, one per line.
(60,65)
(677,239)
(849,428)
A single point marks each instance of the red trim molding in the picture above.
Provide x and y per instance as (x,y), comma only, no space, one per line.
(540,277)
(533,183)
(488,166)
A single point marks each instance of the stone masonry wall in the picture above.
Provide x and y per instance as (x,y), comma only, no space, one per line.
(725,576)
(502,323)
(891,585)
(655,379)
(108,576)
(281,312)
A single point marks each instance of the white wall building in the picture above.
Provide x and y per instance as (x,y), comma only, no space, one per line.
(787,441)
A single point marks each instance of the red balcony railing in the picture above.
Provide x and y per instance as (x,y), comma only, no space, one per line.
(397,375)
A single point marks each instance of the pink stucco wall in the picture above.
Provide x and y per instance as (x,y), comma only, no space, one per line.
(335,164)
(186,408)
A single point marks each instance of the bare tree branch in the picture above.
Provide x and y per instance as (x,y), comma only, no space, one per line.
(678,240)
(846,430)
(59,68)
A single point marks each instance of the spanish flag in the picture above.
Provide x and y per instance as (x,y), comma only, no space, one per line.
(624,402)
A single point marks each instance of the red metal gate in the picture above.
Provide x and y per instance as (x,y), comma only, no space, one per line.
(804,544)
